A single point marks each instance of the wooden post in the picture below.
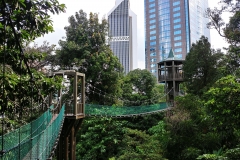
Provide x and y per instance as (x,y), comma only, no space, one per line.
(75,88)
(83,94)
(66,148)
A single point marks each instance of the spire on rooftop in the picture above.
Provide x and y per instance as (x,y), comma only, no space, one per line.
(171,54)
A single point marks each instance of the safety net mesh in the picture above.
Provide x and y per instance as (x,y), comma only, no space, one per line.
(33,140)
(116,111)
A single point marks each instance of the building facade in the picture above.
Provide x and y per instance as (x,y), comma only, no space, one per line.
(172,24)
(123,34)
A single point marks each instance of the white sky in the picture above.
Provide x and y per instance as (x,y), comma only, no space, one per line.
(102,7)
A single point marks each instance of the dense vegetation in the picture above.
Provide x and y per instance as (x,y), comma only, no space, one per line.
(204,125)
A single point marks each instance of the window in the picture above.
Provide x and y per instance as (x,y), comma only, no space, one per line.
(152,43)
(153,54)
(151,5)
(176,9)
(152,37)
(153,71)
(152,15)
(153,32)
(178,50)
(152,26)
(153,65)
(177,44)
(165,34)
(152,10)
(176,3)
(152,49)
(176,15)
(151,0)
(153,60)
(177,38)
(152,21)
(176,20)
(177,26)
(177,32)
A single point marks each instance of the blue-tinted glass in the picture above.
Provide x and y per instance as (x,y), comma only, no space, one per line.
(153,60)
(152,10)
(151,0)
(153,54)
(177,44)
(153,32)
(177,32)
(176,15)
(177,26)
(152,5)
(153,65)
(176,3)
(152,16)
(152,21)
(176,9)
(152,37)
(177,38)
(178,50)
(176,20)
(153,71)
(152,43)
(152,26)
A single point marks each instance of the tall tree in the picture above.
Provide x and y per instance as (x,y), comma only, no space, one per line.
(222,102)
(140,87)
(22,21)
(200,67)
(85,48)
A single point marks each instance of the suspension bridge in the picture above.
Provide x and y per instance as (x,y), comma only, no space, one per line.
(54,132)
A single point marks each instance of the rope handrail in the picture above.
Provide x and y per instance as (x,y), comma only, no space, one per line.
(138,101)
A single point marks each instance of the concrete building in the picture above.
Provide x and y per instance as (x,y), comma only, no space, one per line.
(172,24)
(123,34)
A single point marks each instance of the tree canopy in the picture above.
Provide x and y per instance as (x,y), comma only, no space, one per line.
(87,51)
(200,67)
(23,21)
(140,87)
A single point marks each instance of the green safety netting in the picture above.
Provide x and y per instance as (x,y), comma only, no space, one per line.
(32,140)
(114,111)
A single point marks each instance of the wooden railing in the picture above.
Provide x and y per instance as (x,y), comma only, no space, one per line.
(71,111)
(168,77)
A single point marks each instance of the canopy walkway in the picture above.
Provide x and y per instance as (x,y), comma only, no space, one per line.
(38,139)
(34,140)
(54,132)
(124,111)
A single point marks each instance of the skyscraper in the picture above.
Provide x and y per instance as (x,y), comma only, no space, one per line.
(123,34)
(172,24)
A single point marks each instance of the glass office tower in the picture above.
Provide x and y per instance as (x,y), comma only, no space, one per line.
(123,34)
(172,24)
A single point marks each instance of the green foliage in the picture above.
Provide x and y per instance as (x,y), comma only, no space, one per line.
(20,92)
(233,154)
(30,18)
(231,31)
(200,70)
(139,88)
(99,139)
(138,145)
(161,134)
(222,102)
(211,157)
(86,49)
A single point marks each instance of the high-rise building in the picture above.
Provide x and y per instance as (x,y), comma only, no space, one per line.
(172,24)
(123,34)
